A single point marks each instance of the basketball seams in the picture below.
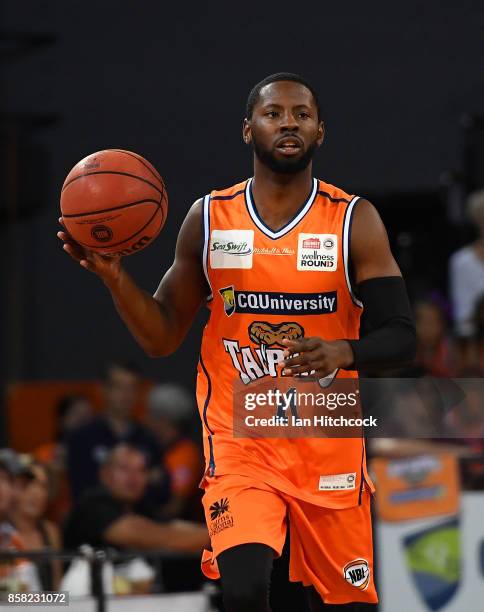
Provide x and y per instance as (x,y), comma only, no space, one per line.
(116,193)
(138,158)
(105,210)
(96,247)
(139,178)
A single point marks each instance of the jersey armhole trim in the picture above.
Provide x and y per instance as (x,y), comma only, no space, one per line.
(347,223)
(206,239)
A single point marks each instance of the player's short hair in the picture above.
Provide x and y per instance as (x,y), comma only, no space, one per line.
(273,78)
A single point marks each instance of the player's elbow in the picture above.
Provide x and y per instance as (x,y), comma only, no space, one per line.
(155,350)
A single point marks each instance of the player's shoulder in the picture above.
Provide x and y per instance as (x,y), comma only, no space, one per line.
(228,193)
(333,193)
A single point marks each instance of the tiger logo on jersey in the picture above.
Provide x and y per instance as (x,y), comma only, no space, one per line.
(262,332)
(253,363)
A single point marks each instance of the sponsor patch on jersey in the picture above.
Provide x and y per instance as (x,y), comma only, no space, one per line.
(274,251)
(357,573)
(267,302)
(220,517)
(337,482)
(317,252)
(231,249)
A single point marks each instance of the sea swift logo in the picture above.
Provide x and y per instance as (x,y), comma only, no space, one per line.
(357,573)
(266,302)
(231,249)
(317,252)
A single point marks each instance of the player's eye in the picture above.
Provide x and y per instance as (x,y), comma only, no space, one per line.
(304,115)
(271,113)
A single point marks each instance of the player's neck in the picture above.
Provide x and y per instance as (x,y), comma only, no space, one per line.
(278,197)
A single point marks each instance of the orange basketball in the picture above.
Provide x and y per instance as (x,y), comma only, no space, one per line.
(114,202)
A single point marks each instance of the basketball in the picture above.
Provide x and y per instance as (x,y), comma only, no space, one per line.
(114,202)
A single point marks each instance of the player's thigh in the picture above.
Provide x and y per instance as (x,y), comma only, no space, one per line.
(332,550)
(245,572)
(239,510)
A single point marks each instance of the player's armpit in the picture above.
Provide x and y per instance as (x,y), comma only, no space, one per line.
(370,252)
(183,287)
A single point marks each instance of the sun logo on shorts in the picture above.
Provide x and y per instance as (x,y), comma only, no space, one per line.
(219,508)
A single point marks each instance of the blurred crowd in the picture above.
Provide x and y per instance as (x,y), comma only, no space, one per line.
(450,329)
(110,481)
(107,481)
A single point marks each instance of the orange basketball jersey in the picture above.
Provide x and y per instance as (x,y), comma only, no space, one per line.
(264,283)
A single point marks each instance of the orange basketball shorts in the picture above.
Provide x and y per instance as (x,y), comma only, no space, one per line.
(330,549)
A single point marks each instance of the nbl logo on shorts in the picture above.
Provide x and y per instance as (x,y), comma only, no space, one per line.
(357,573)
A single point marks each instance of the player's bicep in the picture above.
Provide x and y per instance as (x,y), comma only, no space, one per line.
(184,287)
(371,255)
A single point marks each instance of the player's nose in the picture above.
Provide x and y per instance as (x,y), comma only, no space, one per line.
(288,121)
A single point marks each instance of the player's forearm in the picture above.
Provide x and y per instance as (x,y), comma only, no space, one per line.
(143,315)
(391,341)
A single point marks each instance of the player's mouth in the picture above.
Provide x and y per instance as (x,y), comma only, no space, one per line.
(289,145)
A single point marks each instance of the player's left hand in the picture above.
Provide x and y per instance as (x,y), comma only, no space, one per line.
(315,354)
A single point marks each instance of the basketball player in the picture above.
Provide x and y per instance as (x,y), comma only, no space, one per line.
(253,254)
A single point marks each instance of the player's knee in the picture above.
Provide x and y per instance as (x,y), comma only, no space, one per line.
(248,593)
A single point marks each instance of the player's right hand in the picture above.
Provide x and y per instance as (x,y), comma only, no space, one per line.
(107,267)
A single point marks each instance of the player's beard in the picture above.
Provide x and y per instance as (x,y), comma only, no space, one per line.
(284,166)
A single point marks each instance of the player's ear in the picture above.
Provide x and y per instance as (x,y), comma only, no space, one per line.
(246,131)
(321,132)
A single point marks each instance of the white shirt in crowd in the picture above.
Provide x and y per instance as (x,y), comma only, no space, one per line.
(466,287)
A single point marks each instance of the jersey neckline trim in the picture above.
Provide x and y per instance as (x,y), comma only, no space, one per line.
(254,215)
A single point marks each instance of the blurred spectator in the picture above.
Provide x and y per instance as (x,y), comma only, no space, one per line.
(72,411)
(466,271)
(8,535)
(117,514)
(434,346)
(171,409)
(89,445)
(477,348)
(27,515)
(466,419)
(19,574)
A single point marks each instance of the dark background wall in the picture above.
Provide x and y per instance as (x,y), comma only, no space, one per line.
(170,82)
